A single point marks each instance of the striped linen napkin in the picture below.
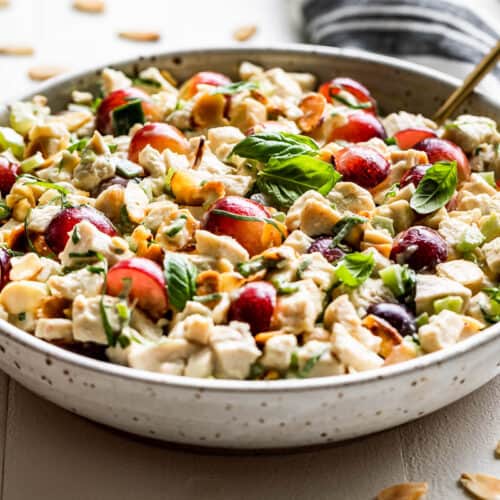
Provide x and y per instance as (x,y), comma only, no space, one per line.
(442,34)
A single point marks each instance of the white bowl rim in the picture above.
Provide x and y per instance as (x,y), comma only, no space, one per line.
(265,386)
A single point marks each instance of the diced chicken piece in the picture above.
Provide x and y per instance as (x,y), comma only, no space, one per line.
(443,330)
(349,197)
(326,365)
(220,247)
(198,328)
(25,267)
(155,75)
(317,269)
(110,202)
(284,84)
(208,161)
(41,216)
(114,80)
(491,251)
(278,352)
(54,329)
(465,272)
(400,212)
(200,364)
(477,184)
(152,161)
(351,352)
(92,240)
(234,350)
(298,312)
(50,267)
(136,202)
(167,356)
(307,81)
(248,70)
(23,296)
(342,311)
(486,158)
(223,139)
(402,120)
(81,282)
(372,291)
(247,112)
(299,241)
(293,216)
(469,131)
(147,329)
(431,288)
(157,212)
(92,170)
(87,318)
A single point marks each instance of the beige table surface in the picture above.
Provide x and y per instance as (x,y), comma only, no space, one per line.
(48,453)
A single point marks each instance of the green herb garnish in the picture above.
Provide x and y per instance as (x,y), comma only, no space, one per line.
(78,145)
(249,218)
(436,188)
(75,235)
(234,88)
(176,227)
(180,275)
(355,268)
(344,226)
(5,211)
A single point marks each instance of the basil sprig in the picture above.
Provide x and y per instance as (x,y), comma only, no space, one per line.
(286,180)
(180,274)
(355,268)
(344,226)
(436,187)
(277,145)
(234,88)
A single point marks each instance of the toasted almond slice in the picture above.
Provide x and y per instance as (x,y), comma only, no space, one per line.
(244,33)
(404,491)
(313,107)
(4,3)
(90,6)
(482,486)
(140,36)
(497,450)
(40,73)
(169,77)
(17,50)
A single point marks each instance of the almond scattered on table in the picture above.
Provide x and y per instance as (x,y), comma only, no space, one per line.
(16,50)
(482,486)
(497,450)
(404,491)
(140,36)
(245,33)
(40,73)
(4,3)
(90,6)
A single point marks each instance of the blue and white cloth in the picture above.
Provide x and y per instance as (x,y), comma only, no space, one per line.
(429,31)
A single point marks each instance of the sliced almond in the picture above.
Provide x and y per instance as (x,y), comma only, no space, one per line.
(169,77)
(482,486)
(17,50)
(497,450)
(244,33)
(90,6)
(4,3)
(140,36)
(41,73)
(313,107)
(404,491)
(381,328)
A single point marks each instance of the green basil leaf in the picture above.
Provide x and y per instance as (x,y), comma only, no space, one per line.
(234,88)
(436,188)
(344,226)
(262,147)
(355,268)
(126,116)
(286,180)
(180,274)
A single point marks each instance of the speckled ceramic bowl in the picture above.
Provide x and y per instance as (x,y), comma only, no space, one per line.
(278,414)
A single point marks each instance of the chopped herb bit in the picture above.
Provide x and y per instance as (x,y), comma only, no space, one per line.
(146,82)
(234,88)
(392,192)
(96,269)
(21,316)
(95,104)
(255,265)
(283,288)
(78,145)
(177,226)
(352,103)
(207,298)
(112,148)
(123,311)
(5,211)
(125,226)
(390,141)
(83,255)
(344,226)
(27,234)
(303,267)
(75,235)
(256,371)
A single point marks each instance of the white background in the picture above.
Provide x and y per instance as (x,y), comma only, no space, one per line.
(47,453)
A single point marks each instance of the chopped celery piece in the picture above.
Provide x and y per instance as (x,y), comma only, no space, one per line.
(399,279)
(489,177)
(10,139)
(452,303)
(22,117)
(127,115)
(490,227)
(32,163)
(422,319)
(127,169)
(470,240)
(384,223)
